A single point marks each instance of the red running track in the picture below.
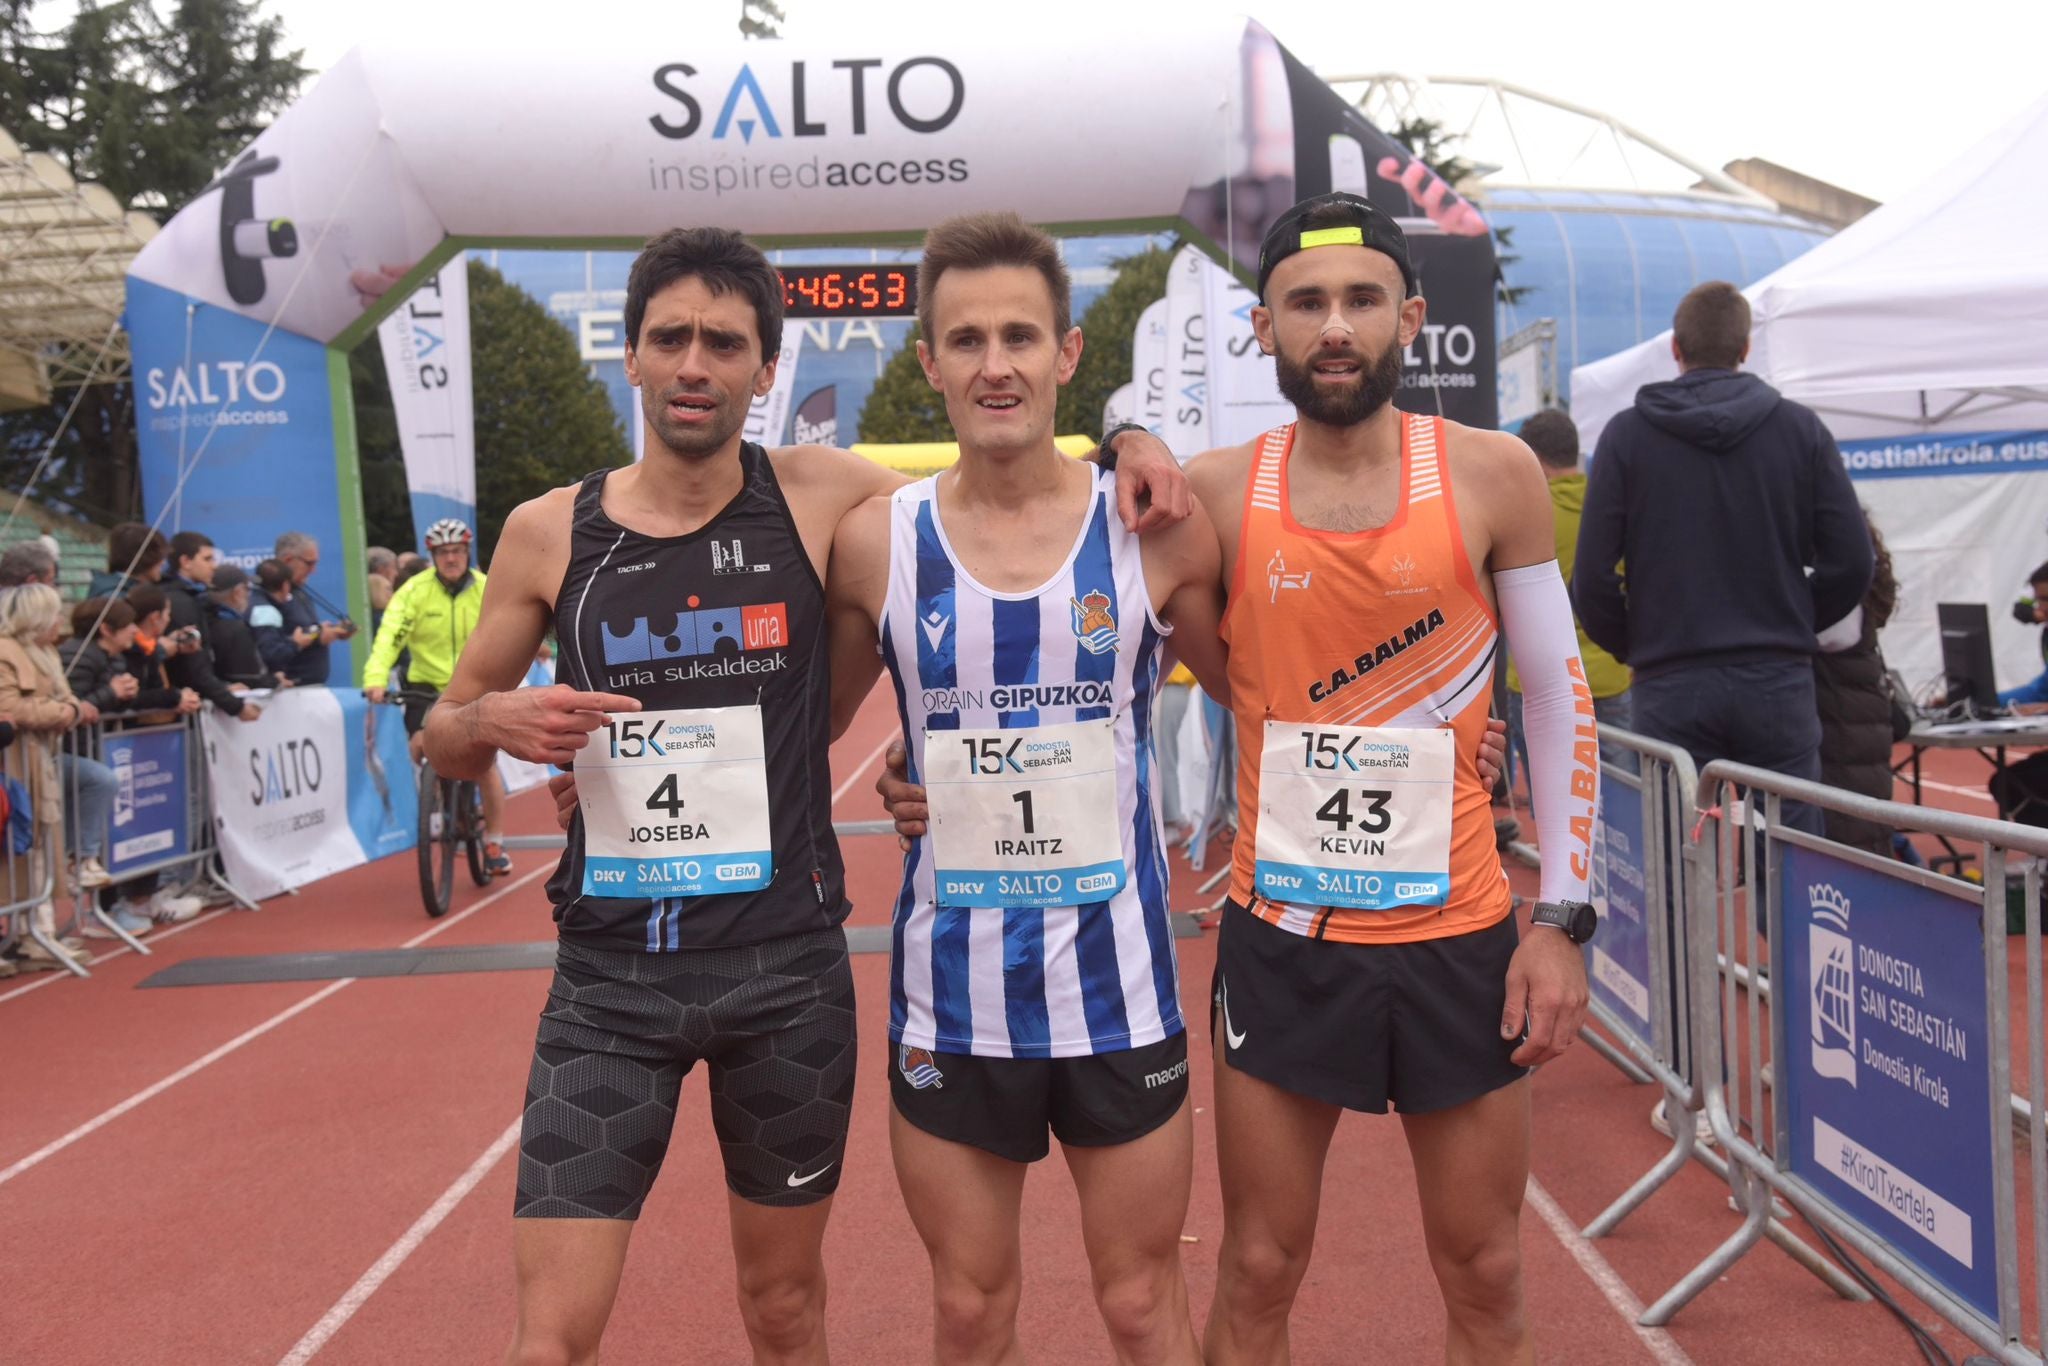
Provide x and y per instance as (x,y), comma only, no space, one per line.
(294,1171)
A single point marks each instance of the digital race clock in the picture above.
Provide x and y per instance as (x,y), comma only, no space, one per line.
(864,291)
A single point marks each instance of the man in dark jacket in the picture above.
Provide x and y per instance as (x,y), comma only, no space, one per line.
(235,656)
(1730,511)
(300,555)
(185,588)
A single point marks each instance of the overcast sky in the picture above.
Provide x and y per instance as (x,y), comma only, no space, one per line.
(1870,96)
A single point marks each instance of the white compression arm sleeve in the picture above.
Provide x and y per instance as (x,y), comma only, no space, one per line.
(1557,718)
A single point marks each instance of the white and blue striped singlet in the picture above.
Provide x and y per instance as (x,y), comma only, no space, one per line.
(1062,981)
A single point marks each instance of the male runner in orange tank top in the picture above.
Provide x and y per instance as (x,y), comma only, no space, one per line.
(1368,955)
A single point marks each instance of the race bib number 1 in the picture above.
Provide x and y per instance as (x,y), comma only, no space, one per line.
(1355,816)
(675,803)
(1024,817)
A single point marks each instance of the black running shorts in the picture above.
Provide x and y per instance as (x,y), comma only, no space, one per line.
(1364,1025)
(1006,1106)
(774,1022)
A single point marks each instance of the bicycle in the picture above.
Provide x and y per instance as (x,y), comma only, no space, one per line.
(438,834)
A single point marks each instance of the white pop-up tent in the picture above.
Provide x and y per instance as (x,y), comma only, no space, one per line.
(1920,336)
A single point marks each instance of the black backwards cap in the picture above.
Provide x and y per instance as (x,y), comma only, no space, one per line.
(1367,227)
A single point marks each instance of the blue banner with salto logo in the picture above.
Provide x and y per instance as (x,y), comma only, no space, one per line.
(150,823)
(1618,956)
(248,421)
(1887,1072)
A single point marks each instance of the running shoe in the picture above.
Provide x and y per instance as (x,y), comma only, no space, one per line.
(169,908)
(496,861)
(92,873)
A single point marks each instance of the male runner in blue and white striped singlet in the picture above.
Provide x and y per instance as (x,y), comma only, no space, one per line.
(1033,989)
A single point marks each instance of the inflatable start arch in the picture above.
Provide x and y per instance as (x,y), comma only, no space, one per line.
(243,310)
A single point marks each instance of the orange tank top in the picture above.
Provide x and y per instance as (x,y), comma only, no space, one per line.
(1361,673)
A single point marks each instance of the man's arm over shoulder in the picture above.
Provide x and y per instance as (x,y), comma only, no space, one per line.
(1843,558)
(1218,479)
(1186,564)
(1598,595)
(855,589)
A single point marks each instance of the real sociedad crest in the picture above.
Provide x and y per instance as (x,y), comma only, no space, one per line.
(1094,622)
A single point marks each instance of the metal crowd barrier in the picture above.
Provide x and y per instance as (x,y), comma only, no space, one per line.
(1886,1051)
(159,823)
(1647,872)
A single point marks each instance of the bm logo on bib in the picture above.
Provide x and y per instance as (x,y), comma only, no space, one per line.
(1094,622)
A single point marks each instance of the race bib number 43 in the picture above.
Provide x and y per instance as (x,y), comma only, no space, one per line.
(1355,816)
(1024,817)
(675,803)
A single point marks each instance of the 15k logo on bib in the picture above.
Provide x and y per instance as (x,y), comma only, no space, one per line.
(1355,816)
(1025,817)
(675,804)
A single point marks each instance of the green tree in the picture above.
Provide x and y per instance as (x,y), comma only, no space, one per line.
(387,502)
(1429,144)
(149,105)
(903,406)
(1106,331)
(542,420)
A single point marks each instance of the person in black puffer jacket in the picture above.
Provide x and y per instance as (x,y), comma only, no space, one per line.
(235,655)
(1856,734)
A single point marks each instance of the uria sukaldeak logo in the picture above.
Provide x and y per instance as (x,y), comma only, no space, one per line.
(922,94)
(1831,973)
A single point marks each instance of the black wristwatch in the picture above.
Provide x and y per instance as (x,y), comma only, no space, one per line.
(1577,919)
(1106,456)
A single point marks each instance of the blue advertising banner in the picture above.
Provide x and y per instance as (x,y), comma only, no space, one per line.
(253,419)
(1618,957)
(383,794)
(1886,1072)
(150,821)
(1973,453)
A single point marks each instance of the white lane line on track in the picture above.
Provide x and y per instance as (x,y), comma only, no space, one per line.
(1660,1344)
(1973,793)
(108,1116)
(155,938)
(394,1256)
(862,771)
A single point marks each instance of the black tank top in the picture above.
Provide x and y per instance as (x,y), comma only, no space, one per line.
(626,586)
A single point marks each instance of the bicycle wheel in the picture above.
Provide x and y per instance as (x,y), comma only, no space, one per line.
(470,801)
(436,848)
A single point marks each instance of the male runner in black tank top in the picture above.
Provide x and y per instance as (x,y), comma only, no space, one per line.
(687,588)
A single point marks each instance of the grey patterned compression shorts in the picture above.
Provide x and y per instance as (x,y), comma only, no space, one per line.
(774,1022)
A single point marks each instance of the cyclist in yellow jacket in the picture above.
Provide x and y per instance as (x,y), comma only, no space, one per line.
(433,614)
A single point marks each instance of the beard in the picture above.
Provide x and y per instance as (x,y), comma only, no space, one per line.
(691,442)
(1378,381)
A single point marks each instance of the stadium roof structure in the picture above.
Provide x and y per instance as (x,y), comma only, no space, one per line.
(1603,228)
(1528,140)
(65,248)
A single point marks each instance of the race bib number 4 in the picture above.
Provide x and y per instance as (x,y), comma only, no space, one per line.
(1355,816)
(1024,817)
(675,803)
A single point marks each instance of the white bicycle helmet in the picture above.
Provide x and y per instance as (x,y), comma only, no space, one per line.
(447,531)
